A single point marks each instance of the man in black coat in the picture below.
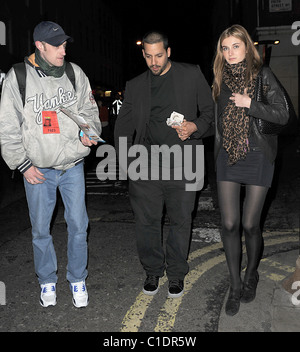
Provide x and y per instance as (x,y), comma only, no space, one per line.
(167,154)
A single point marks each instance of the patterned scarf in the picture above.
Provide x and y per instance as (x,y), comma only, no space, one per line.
(235,122)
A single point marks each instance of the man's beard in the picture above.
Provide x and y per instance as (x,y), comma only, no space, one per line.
(159,72)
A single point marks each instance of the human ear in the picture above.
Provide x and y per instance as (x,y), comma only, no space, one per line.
(39,45)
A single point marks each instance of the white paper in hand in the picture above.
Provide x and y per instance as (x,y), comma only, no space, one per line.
(84,126)
(175,119)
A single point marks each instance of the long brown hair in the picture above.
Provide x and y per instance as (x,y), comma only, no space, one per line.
(253,59)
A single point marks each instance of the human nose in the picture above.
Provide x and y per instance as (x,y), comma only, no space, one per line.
(62,50)
(153,61)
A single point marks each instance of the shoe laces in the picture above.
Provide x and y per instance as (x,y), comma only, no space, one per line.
(47,288)
(176,282)
(151,279)
(79,288)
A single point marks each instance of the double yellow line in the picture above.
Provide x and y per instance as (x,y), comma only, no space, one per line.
(167,316)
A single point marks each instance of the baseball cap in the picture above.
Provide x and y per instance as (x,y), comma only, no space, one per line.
(51,33)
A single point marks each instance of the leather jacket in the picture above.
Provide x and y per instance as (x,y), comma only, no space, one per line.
(274,110)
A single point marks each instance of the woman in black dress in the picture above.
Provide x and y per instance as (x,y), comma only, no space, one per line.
(243,155)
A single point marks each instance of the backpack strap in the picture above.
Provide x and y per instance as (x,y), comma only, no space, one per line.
(70,73)
(20,71)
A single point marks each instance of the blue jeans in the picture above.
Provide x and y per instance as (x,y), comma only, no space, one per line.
(41,199)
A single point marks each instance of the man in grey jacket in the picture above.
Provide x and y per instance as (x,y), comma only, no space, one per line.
(47,147)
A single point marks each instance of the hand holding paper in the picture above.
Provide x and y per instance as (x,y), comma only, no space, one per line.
(184,128)
(84,126)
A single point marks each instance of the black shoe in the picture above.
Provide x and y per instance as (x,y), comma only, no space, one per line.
(151,285)
(233,302)
(175,288)
(249,291)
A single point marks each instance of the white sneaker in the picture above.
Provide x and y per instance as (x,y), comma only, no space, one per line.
(80,295)
(48,295)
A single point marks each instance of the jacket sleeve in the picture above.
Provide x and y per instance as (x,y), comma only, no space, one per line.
(205,122)
(274,108)
(87,106)
(124,126)
(11,116)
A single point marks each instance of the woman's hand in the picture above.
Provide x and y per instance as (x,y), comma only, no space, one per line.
(241,100)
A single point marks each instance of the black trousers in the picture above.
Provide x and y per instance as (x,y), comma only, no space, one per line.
(148,199)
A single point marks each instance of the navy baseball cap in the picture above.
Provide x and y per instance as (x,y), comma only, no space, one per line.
(51,33)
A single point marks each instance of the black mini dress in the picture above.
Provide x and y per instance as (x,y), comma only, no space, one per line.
(255,169)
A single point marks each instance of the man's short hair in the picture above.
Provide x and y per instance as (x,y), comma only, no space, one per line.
(154,37)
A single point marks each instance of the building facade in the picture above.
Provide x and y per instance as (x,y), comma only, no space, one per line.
(280,20)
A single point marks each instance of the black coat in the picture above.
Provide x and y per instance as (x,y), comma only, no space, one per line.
(273,111)
(194,101)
